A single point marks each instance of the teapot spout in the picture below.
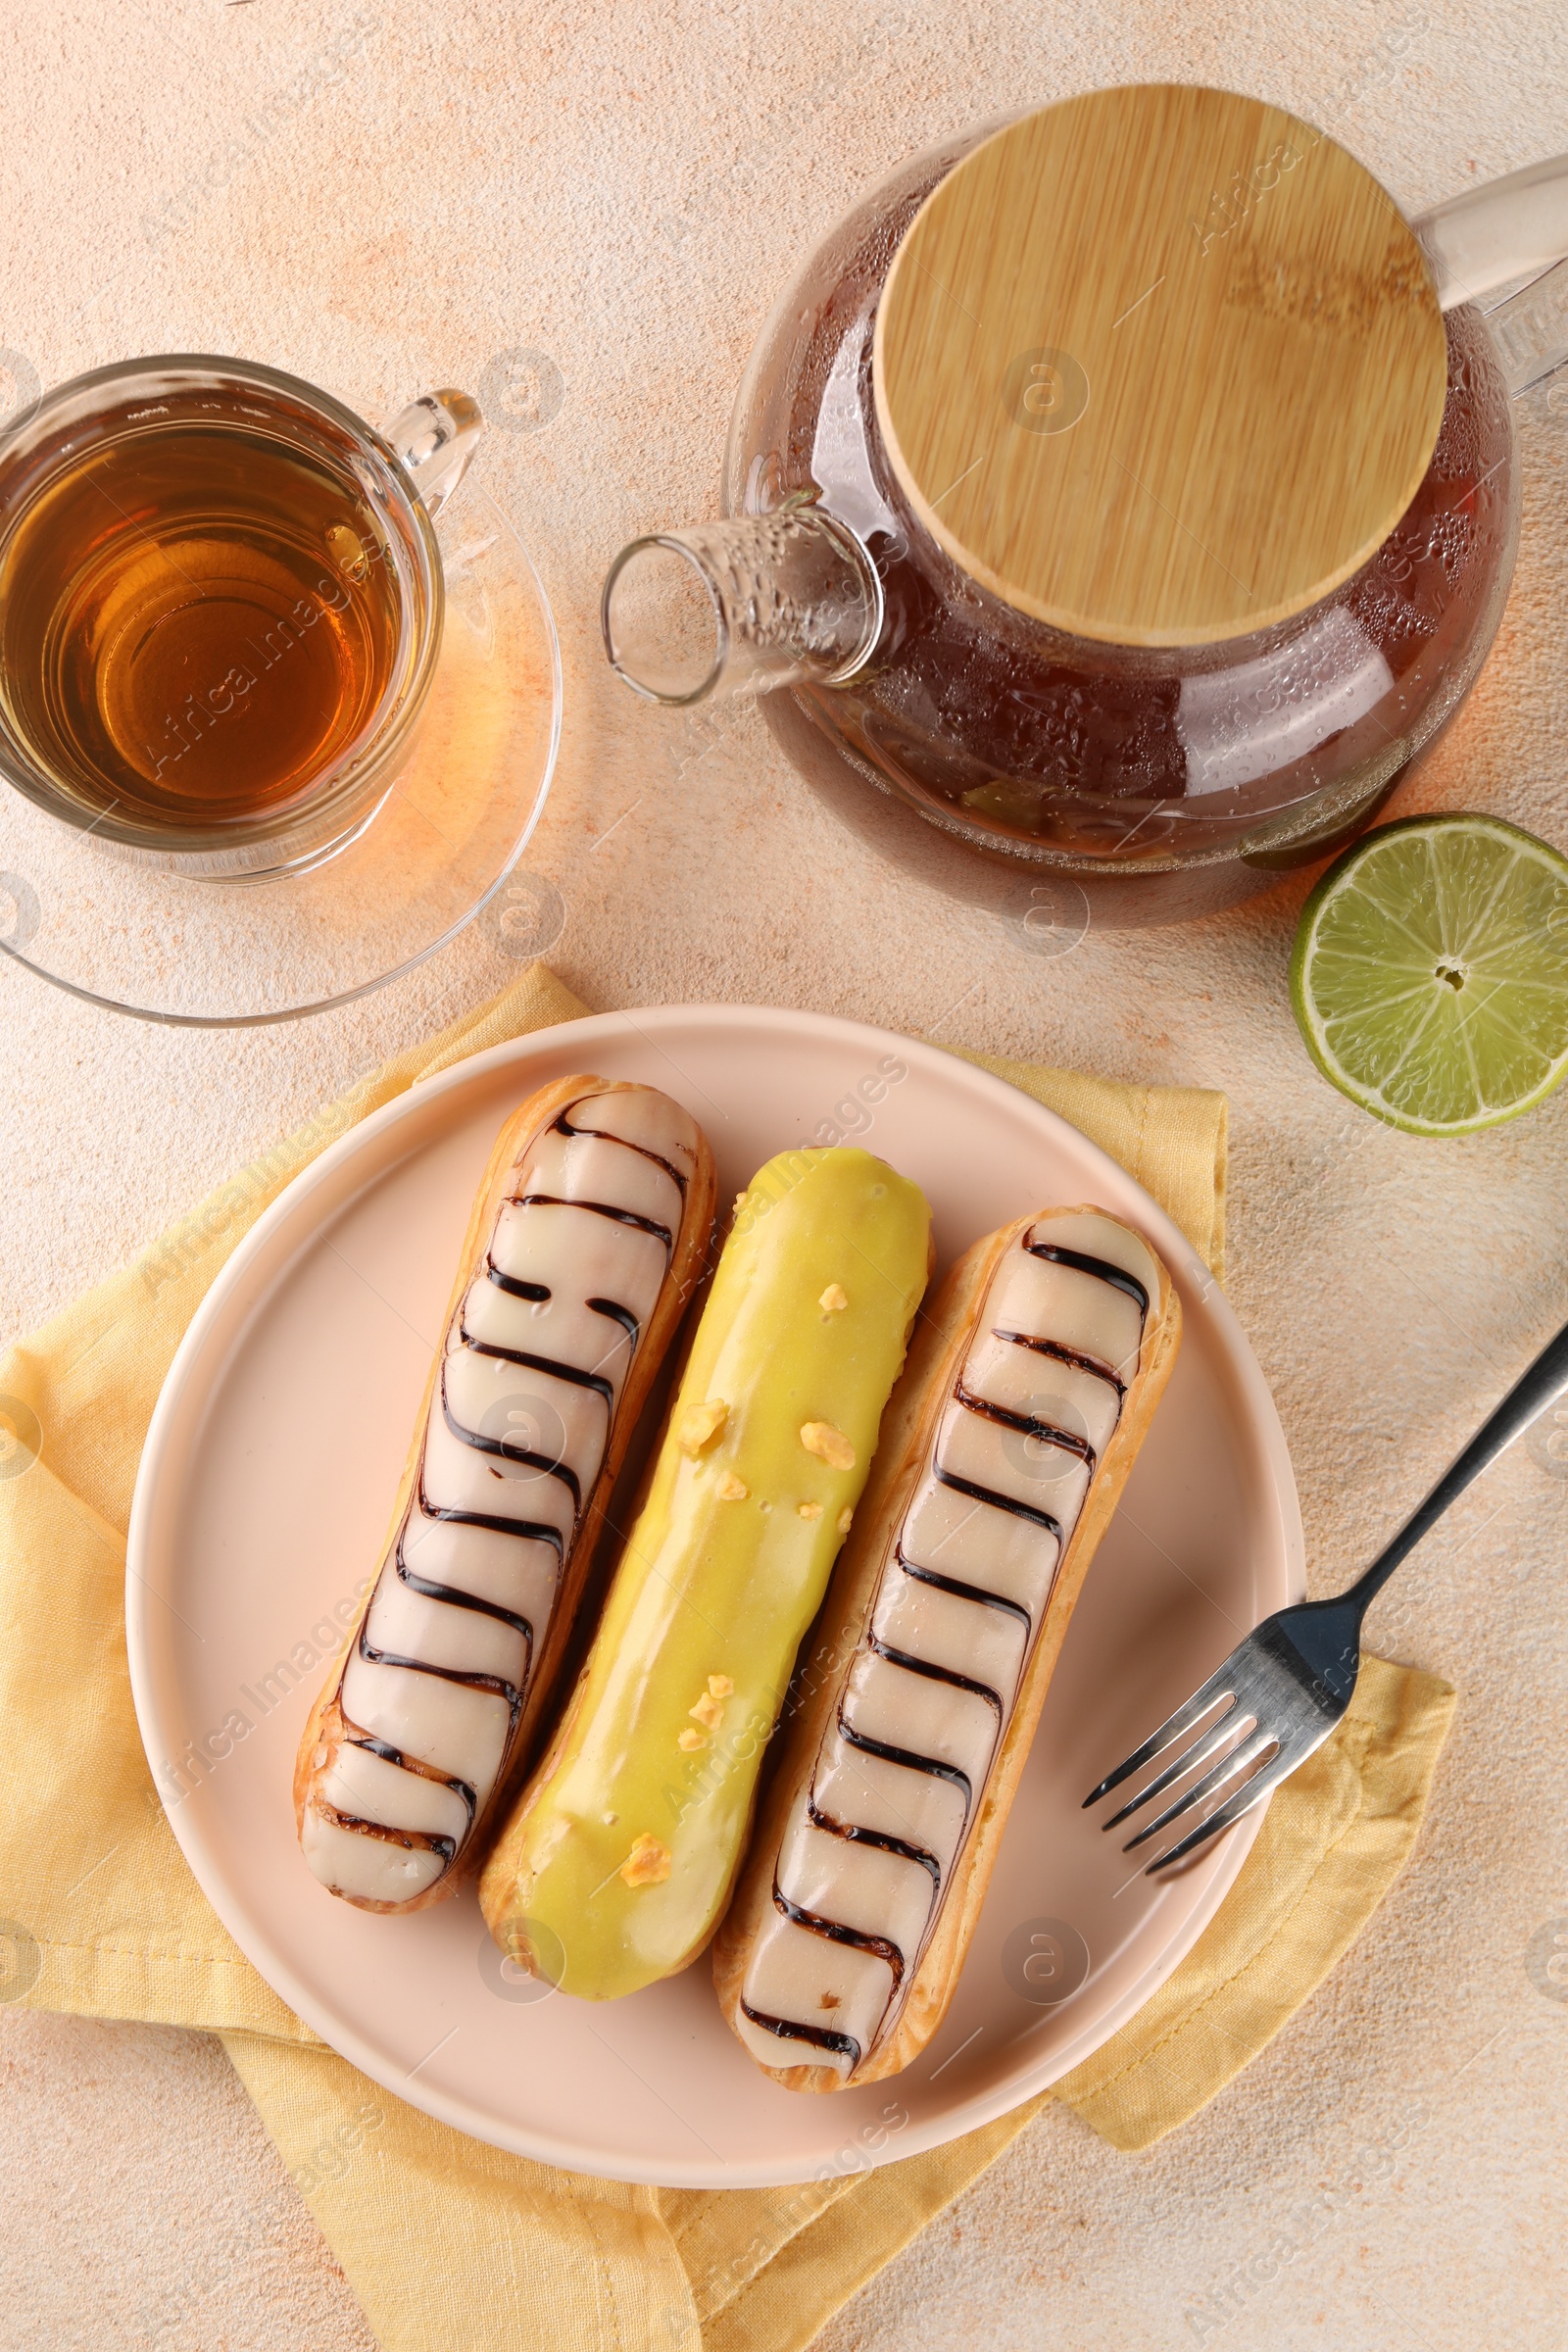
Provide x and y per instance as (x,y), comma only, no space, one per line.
(783,599)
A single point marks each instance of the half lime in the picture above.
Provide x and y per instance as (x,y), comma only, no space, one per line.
(1430,973)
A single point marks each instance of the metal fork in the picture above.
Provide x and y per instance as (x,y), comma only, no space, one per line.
(1284,1688)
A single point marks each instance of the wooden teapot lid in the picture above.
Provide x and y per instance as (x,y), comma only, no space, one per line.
(1159,366)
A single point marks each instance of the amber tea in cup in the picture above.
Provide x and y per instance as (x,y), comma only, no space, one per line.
(221,604)
(194,627)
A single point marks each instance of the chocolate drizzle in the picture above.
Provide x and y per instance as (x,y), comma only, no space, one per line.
(617,1314)
(963,1591)
(854,1835)
(602,1208)
(356,1737)
(514,1287)
(509,1450)
(456,1599)
(412,1841)
(934,1673)
(998,1501)
(572,1374)
(563,1126)
(467,1678)
(879,1947)
(539,1292)
(819,2038)
(1100,1267)
(533,1531)
(512,1449)
(1027,1425)
(910,1759)
(1092,1364)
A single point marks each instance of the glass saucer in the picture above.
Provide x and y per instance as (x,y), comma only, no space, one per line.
(91,918)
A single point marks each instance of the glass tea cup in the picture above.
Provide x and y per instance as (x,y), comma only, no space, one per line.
(220,609)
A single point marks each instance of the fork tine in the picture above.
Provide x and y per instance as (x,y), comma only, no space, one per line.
(1219,1685)
(1224,1728)
(1248,1751)
(1262,1784)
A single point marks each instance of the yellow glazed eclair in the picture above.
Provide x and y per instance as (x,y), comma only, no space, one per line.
(587,1239)
(620,1853)
(1006,1444)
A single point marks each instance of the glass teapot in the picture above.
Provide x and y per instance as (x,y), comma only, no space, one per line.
(1122,496)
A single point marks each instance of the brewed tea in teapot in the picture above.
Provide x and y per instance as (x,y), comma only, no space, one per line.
(1122,495)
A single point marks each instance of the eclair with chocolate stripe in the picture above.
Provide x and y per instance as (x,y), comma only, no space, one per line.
(587,1239)
(1029,1390)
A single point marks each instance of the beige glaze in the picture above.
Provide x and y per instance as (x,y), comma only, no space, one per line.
(594,1226)
(1007,1560)
(1004,1455)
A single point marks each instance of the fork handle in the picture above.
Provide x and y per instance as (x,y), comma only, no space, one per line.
(1531,1394)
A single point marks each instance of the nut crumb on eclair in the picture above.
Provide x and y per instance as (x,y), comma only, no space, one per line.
(829,1444)
(699,1425)
(648,1863)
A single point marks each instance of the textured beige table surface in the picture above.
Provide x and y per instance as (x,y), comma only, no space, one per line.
(382,197)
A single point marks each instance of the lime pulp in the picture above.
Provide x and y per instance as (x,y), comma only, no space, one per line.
(1430,973)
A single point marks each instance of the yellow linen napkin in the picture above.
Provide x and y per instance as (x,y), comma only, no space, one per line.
(449,2243)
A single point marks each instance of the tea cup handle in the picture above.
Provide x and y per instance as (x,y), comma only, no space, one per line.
(433,438)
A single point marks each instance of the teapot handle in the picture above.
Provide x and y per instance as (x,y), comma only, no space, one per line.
(1531,330)
(1491,237)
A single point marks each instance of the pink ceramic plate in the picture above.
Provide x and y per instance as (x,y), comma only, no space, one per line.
(262,1504)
